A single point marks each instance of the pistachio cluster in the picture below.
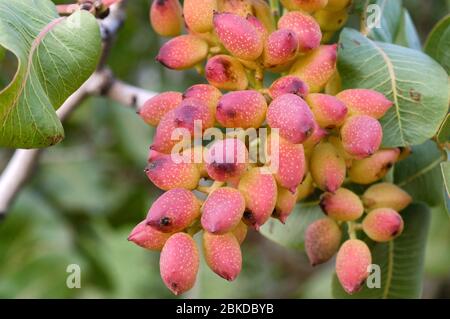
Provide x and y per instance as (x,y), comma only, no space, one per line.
(324,137)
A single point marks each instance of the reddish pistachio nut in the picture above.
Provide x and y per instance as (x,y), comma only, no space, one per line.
(173,211)
(337,143)
(163,141)
(305,27)
(242,109)
(259,189)
(226,159)
(195,155)
(280,47)
(198,14)
(334,85)
(239,7)
(238,36)
(165,17)
(192,112)
(328,111)
(286,201)
(179,262)
(331,21)
(263,13)
(327,167)
(305,5)
(386,195)
(223,254)
(317,67)
(222,210)
(322,239)
(156,107)
(167,174)
(292,116)
(306,188)
(147,237)
(317,135)
(287,160)
(373,168)
(352,262)
(206,93)
(383,224)
(336,5)
(226,72)
(240,232)
(365,102)
(178,125)
(288,84)
(259,27)
(343,205)
(182,52)
(361,136)
(281,68)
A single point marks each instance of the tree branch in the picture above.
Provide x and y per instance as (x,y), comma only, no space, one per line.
(102,83)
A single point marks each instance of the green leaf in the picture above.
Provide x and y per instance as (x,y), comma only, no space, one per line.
(438,43)
(56,55)
(395,25)
(416,84)
(407,35)
(421,171)
(445,167)
(401,261)
(390,16)
(443,136)
(438,245)
(292,233)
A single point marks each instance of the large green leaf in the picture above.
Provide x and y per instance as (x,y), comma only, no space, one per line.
(395,25)
(292,233)
(56,55)
(401,261)
(443,136)
(420,174)
(416,84)
(438,43)
(445,167)
(407,35)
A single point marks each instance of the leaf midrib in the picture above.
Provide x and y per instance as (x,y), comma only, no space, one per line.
(423,171)
(393,78)
(390,270)
(33,48)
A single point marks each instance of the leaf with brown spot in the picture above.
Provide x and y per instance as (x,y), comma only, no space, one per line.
(415,83)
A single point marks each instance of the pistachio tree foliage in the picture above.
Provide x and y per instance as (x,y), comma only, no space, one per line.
(357,119)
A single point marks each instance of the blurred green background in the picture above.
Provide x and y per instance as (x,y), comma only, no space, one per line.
(90,190)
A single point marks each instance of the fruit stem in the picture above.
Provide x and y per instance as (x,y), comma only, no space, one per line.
(259,78)
(215,50)
(194,228)
(264,91)
(200,69)
(275,7)
(351,230)
(211,188)
(363,28)
(203,189)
